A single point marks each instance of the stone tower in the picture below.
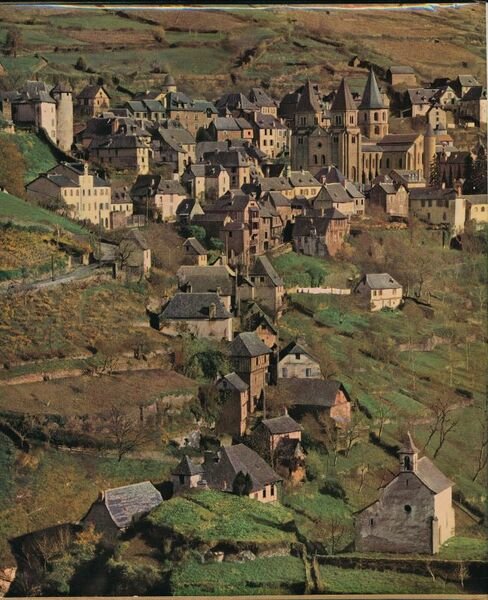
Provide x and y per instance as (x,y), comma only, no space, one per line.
(408,455)
(169,84)
(373,114)
(63,95)
(345,140)
(429,150)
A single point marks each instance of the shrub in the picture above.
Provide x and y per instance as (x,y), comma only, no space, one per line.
(333,488)
(80,64)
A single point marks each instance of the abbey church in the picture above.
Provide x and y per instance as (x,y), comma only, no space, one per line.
(351,134)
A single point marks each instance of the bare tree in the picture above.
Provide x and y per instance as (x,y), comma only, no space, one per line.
(351,434)
(383,416)
(443,422)
(126,433)
(482,451)
(363,471)
(333,532)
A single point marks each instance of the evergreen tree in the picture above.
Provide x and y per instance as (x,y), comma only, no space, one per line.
(468,175)
(242,484)
(479,173)
(435,173)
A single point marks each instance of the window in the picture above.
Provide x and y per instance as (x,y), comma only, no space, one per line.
(377,130)
(308,372)
(297,356)
(264,492)
(338,120)
(315,159)
(351,119)
(387,163)
(182,479)
(371,522)
(353,139)
(284,372)
(407,465)
(272,490)
(376,116)
(408,508)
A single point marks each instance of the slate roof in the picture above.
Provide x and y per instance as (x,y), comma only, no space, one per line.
(304,224)
(430,475)
(308,100)
(330,174)
(277,199)
(263,266)
(232,380)
(118,141)
(194,306)
(421,95)
(196,245)
(248,344)
(138,237)
(476,198)
(432,194)
(90,91)
(467,80)
(300,179)
(283,424)
(230,124)
(187,467)
(333,192)
(381,281)
(235,101)
(176,137)
(263,121)
(260,97)
(475,93)
(343,99)
(206,279)
(241,458)
(372,97)
(131,501)
(311,391)
(401,70)
(274,184)
(294,348)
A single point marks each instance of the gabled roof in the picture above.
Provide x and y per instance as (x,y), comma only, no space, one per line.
(308,101)
(372,97)
(131,501)
(467,80)
(343,99)
(90,91)
(206,279)
(330,174)
(232,380)
(332,192)
(295,348)
(381,281)
(260,97)
(430,476)
(263,266)
(194,306)
(432,194)
(283,424)
(312,392)
(248,344)
(421,95)
(241,458)
(187,467)
(302,178)
(264,121)
(196,245)
(475,93)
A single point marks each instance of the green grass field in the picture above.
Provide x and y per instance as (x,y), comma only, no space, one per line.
(219,517)
(37,155)
(21,211)
(274,575)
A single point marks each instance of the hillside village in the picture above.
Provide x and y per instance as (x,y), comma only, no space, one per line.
(244,335)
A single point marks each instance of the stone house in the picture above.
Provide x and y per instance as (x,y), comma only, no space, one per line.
(401,74)
(402,151)
(463,84)
(235,401)
(191,114)
(477,208)
(194,253)
(414,513)
(157,197)
(259,322)
(391,198)
(316,396)
(205,182)
(92,100)
(117,509)
(335,196)
(278,440)
(87,196)
(186,474)
(474,104)
(122,152)
(175,147)
(380,290)
(438,206)
(250,359)
(220,469)
(295,360)
(235,162)
(419,100)
(269,288)
(218,279)
(452,165)
(320,236)
(135,253)
(304,184)
(270,135)
(264,103)
(203,315)
(409,179)
(222,129)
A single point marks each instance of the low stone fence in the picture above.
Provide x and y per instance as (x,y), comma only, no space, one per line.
(321,290)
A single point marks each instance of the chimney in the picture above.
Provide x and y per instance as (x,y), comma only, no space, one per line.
(175,176)
(212,311)
(85,169)
(443,185)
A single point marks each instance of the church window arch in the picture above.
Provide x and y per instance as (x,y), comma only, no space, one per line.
(376,130)
(376,117)
(315,159)
(323,159)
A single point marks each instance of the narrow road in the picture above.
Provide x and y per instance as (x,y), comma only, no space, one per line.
(77,274)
